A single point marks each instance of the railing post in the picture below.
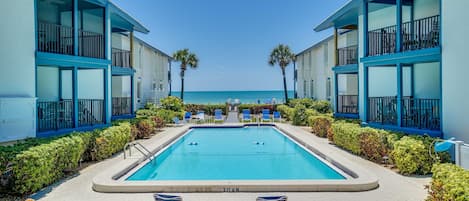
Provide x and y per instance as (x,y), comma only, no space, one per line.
(75,96)
(365,28)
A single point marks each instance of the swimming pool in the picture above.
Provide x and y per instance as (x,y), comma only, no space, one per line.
(242,153)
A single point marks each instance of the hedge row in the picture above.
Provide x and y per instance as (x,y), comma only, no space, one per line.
(449,182)
(44,164)
(208,109)
(256,108)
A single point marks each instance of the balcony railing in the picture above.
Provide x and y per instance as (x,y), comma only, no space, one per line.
(420,34)
(54,115)
(382,41)
(347,104)
(421,113)
(348,55)
(121,106)
(121,58)
(90,112)
(382,110)
(90,44)
(54,38)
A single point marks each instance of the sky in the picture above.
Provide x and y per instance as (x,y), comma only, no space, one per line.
(232,38)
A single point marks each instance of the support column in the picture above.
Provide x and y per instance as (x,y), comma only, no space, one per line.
(399,25)
(75,27)
(132,48)
(336,47)
(365,92)
(132,93)
(365,29)
(295,79)
(336,92)
(75,96)
(169,77)
(107,109)
(107,71)
(399,94)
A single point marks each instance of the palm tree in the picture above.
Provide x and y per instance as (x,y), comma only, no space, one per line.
(187,59)
(283,56)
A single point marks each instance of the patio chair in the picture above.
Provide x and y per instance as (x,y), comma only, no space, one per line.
(200,116)
(164,197)
(272,198)
(187,116)
(266,115)
(277,116)
(218,115)
(246,115)
(176,121)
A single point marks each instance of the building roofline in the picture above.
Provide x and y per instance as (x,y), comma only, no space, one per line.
(137,26)
(152,47)
(316,45)
(329,21)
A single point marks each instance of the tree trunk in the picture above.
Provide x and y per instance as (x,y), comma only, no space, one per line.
(285,85)
(182,85)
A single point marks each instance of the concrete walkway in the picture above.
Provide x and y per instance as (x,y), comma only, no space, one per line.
(232,117)
(393,187)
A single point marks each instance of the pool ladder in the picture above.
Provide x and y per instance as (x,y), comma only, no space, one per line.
(139,147)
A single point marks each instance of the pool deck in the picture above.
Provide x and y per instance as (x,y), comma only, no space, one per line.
(392,185)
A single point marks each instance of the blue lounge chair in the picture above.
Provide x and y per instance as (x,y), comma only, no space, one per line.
(272,198)
(218,115)
(176,121)
(277,116)
(266,115)
(164,197)
(246,115)
(187,116)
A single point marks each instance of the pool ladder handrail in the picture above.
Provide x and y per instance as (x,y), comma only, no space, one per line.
(146,153)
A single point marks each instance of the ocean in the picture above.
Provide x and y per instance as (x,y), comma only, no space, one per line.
(216,97)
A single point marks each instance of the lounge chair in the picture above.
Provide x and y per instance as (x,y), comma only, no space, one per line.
(164,197)
(266,115)
(218,115)
(187,116)
(200,116)
(176,121)
(277,116)
(246,115)
(272,198)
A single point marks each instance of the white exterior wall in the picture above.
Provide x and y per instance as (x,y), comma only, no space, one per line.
(315,64)
(17,64)
(151,74)
(454,69)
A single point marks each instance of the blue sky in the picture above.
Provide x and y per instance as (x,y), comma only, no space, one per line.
(232,38)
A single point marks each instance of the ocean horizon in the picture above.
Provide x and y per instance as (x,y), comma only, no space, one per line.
(245,97)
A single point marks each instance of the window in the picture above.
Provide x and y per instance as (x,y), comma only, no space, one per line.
(160,86)
(139,89)
(154,86)
(304,89)
(328,88)
(311,89)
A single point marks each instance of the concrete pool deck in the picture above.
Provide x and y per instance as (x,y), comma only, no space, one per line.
(392,185)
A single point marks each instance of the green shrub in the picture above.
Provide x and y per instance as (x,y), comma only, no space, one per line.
(143,129)
(168,115)
(208,109)
(373,144)
(172,103)
(307,102)
(255,108)
(449,182)
(299,115)
(322,106)
(111,140)
(320,125)
(285,111)
(347,136)
(158,123)
(44,164)
(410,155)
(147,113)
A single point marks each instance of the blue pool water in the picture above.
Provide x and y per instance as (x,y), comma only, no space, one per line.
(233,154)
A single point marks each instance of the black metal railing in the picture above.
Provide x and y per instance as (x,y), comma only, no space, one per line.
(90,44)
(421,113)
(54,38)
(382,110)
(121,106)
(382,41)
(348,55)
(347,104)
(90,112)
(121,58)
(54,115)
(420,34)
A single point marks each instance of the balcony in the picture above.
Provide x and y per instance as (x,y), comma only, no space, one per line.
(54,38)
(347,55)
(416,113)
(90,44)
(90,112)
(347,104)
(418,34)
(121,58)
(121,106)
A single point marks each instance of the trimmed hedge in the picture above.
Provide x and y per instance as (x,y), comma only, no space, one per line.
(172,103)
(256,108)
(449,182)
(285,111)
(320,125)
(321,106)
(410,156)
(347,136)
(44,164)
(110,141)
(208,109)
